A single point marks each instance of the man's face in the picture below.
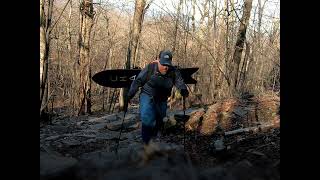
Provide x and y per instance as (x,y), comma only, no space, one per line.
(162,68)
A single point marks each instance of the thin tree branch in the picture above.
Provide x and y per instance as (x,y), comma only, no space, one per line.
(214,59)
(59,17)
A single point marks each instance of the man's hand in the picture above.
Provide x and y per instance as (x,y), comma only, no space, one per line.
(184,92)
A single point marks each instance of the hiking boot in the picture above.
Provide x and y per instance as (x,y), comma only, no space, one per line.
(150,150)
(152,147)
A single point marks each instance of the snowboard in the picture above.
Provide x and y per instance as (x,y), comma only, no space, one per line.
(122,78)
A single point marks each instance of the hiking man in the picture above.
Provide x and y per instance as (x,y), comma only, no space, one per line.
(156,81)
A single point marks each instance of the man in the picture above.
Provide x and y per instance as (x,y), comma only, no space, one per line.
(156,81)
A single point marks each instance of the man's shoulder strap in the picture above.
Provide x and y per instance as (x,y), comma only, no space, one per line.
(172,74)
(150,70)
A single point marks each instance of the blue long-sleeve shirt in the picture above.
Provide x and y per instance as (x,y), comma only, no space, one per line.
(158,86)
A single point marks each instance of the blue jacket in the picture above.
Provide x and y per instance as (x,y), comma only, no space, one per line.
(158,86)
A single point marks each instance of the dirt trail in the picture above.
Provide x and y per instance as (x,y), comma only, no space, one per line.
(79,139)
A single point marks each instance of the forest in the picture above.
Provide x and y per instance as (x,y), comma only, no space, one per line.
(233,125)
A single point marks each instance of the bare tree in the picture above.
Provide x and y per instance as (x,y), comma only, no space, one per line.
(241,38)
(209,46)
(193,16)
(86,23)
(261,8)
(244,67)
(176,26)
(136,28)
(204,13)
(73,62)
(133,43)
(45,24)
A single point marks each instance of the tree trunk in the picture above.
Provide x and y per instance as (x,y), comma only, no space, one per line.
(176,26)
(215,6)
(241,37)
(124,91)
(251,67)
(86,23)
(71,63)
(227,51)
(89,103)
(107,64)
(45,23)
(260,45)
(192,17)
(243,71)
(216,73)
(136,27)
(186,32)
(133,45)
(204,14)
(232,20)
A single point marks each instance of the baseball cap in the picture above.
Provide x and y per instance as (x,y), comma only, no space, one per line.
(166,58)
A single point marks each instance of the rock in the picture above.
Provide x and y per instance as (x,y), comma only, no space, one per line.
(112,117)
(218,114)
(108,136)
(124,143)
(53,166)
(170,162)
(239,111)
(244,170)
(133,135)
(256,153)
(135,126)
(247,95)
(181,118)
(86,135)
(209,123)
(216,173)
(114,135)
(128,125)
(90,141)
(171,121)
(170,165)
(194,121)
(78,134)
(49,150)
(88,131)
(219,144)
(51,138)
(94,164)
(218,147)
(107,118)
(71,142)
(60,128)
(131,117)
(170,125)
(132,153)
(191,111)
(98,126)
(80,123)
(99,157)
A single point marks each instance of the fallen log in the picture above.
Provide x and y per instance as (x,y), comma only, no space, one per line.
(248,129)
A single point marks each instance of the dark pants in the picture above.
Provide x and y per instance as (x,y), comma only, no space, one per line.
(151,114)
